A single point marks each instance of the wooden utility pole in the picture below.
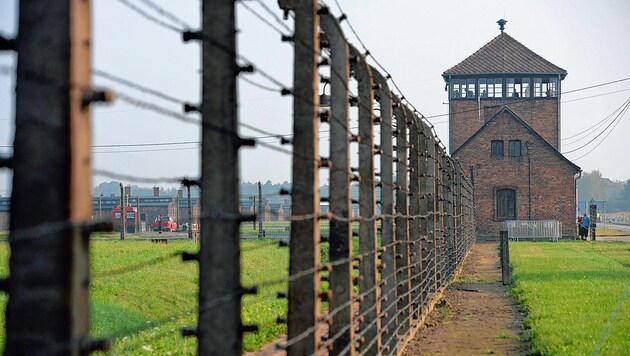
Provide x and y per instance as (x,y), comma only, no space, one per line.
(219,327)
(189,212)
(47,310)
(123,218)
(137,215)
(304,303)
(261,213)
(339,197)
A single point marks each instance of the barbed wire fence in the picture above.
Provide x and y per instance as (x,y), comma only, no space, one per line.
(414,226)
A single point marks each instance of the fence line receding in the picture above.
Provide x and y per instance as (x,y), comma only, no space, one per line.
(392,249)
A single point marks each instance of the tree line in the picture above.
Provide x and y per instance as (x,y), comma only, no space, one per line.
(615,193)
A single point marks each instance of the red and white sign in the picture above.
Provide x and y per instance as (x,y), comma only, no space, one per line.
(194,227)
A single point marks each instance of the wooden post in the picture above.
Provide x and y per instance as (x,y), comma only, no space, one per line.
(137,216)
(219,327)
(402,222)
(47,310)
(304,303)
(593,221)
(340,230)
(506,273)
(369,308)
(388,260)
(261,212)
(123,220)
(189,212)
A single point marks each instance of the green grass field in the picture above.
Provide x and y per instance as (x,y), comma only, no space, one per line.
(143,305)
(576,295)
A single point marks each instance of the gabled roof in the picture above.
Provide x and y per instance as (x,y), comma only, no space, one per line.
(529,128)
(504,54)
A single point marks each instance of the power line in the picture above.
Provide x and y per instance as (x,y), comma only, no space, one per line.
(154,150)
(597,85)
(622,114)
(273,14)
(261,18)
(165,13)
(594,96)
(136,86)
(617,119)
(150,17)
(601,122)
(146,144)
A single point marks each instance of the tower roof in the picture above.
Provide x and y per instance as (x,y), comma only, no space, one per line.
(504,54)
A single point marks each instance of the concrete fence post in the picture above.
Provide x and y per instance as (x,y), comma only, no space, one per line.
(304,302)
(402,222)
(369,307)
(219,328)
(48,307)
(424,184)
(339,198)
(431,192)
(388,260)
(415,258)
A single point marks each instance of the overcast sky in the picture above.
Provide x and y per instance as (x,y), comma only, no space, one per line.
(415,40)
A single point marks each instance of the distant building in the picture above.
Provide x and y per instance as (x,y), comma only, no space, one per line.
(504,116)
(4,213)
(149,208)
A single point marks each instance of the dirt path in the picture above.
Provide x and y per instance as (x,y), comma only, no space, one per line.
(476,316)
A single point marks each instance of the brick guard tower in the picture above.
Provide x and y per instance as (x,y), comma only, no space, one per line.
(504,106)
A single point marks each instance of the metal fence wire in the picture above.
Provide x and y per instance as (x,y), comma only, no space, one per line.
(392,248)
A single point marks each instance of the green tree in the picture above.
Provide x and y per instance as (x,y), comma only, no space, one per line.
(592,186)
(622,203)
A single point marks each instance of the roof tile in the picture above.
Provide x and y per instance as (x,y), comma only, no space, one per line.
(504,54)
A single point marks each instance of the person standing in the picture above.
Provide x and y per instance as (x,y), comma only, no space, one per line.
(584,226)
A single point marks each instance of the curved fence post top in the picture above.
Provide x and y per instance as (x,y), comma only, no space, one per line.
(361,63)
(378,78)
(330,26)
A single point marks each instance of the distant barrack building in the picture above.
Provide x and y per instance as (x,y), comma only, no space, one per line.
(504,117)
(275,207)
(5,203)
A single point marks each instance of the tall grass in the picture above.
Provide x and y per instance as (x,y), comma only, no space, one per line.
(576,295)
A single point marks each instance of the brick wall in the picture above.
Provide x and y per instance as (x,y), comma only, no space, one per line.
(552,178)
(541,114)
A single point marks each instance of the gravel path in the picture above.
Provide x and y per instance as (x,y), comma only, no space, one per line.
(477,315)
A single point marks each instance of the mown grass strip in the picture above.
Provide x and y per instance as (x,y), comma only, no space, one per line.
(141,294)
(570,291)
